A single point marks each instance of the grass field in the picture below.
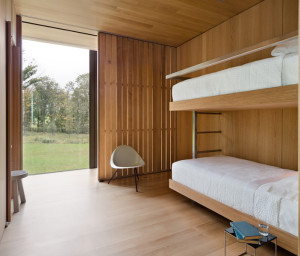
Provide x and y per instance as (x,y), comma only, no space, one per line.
(44,152)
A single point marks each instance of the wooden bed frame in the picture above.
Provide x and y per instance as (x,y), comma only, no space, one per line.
(285,239)
(276,97)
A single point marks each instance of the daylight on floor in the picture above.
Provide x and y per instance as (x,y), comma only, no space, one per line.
(55,107)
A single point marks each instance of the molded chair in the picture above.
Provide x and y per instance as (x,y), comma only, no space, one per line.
(125,157)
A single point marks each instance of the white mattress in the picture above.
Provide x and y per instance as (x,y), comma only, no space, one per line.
(231,181)
(266,73)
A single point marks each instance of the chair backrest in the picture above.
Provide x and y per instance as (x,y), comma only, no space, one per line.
(125,157)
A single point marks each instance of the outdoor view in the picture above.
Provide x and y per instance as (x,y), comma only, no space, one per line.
(55,107)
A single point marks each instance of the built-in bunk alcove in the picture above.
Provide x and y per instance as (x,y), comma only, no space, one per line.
(257,124)
(267,136)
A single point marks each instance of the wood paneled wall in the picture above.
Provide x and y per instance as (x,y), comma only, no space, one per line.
(265,136)
(133,100)
(258,135)
(2,117)
(259,23)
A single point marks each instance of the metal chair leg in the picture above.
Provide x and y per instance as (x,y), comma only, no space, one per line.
(135,174)
(113,176)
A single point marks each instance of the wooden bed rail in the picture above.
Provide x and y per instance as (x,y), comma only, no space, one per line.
(285,239)
(269,98)
(234,55)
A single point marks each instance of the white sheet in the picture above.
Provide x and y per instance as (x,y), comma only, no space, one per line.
(286,48)
(260,74)
(277,203)
(231,181)
(290,69)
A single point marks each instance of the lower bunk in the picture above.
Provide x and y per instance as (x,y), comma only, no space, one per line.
(243,190)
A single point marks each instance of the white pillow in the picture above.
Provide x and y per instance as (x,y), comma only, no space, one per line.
(288,47)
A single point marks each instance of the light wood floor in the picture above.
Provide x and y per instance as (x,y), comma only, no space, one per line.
(71,214)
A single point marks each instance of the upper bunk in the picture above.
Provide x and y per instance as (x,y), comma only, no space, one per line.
(267,83)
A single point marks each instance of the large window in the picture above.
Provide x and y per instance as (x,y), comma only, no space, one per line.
(55,107)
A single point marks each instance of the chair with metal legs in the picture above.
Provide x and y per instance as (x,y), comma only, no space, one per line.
(125,157)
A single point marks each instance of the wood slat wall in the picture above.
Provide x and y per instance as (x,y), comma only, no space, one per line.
(133,100)
(262,136)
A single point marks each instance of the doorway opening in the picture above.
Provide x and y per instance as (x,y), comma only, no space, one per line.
(56,108)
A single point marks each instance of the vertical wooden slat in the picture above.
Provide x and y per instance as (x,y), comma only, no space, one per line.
(108,110)
(135,85)
(163,112)
(114,95)
(168,113)
(130,73)
(145,97)
(120,91)
(125,90)
(101,106)
(140,100)
(133,102)
(173,121)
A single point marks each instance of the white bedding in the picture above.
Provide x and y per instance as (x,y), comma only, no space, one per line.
(290,69)
(231,181)
(266,73)
(277,203)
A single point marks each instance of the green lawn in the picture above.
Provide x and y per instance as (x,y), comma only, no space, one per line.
(43,153)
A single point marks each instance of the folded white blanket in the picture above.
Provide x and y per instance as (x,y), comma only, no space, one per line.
(277,203)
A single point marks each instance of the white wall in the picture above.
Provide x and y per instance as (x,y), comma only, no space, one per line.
(2,119)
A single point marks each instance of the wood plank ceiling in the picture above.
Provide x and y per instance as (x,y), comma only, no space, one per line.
(170,22)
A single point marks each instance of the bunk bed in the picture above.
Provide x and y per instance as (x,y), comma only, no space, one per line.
(236,188)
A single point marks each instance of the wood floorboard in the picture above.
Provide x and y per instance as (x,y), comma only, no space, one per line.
(72,214)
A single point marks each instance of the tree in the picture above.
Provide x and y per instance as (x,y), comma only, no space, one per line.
(61,118)
(30,75)
(51,108)
(80,103)
(46,91)
(30,78)
(27,94)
